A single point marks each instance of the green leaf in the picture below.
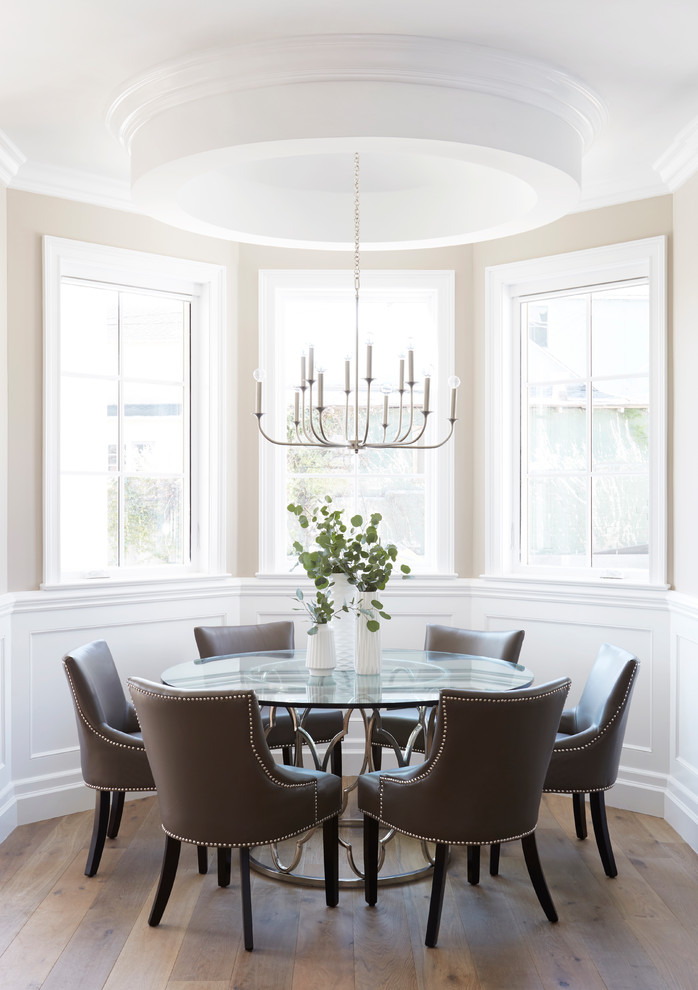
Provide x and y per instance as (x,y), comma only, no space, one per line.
(312,631)
(357,521)
(376,603)
(299,594)
(372,625)
(405,568)
(384,615)
(321,582)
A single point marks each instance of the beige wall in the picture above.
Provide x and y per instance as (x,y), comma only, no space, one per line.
(252,259)
(3,389)
(29,218)
(612,225)
(683,366)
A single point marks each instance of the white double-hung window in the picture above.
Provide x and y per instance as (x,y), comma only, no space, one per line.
(577,415)
(133,425)
(411,489)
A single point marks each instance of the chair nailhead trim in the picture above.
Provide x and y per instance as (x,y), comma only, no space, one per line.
(245,845)
(112,742)
(247,695)
(384,779)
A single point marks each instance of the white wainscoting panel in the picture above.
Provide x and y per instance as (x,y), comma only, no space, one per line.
(149,629)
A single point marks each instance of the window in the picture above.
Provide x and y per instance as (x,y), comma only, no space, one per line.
(577,422)
(411,489)
(132,442)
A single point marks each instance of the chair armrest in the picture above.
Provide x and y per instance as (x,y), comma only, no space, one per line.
(577,740)
(129,740)
(132,724)
(568,721)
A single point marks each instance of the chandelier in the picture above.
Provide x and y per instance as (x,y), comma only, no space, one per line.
(309,400)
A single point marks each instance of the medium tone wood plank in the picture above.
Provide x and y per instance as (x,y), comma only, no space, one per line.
(63,930)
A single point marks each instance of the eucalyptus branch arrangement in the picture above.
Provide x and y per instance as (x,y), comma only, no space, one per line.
(320,609)
(354,550)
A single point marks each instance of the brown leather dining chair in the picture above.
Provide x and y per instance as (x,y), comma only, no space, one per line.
(322,724)
(500,645)
(112,753)
(587,750)
(218,785)
(456,798)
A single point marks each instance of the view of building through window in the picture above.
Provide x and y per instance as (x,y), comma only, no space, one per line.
(585,428)
(124,428)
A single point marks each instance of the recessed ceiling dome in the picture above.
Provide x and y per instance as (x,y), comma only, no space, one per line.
(255,143)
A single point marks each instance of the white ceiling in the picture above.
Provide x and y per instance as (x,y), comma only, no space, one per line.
(63,63)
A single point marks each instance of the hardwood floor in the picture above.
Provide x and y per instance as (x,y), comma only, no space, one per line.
(59,929)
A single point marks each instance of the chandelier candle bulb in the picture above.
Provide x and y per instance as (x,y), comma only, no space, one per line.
(296,407)
(347,375)
(369,361)
(259,397)
(311,363)
(410,367)
(427,387)
(302,370)
(454,393)
(402,374)
(320,389)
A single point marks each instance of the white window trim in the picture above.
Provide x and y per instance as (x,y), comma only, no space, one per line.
(503,285)
(206,284)
(271,457)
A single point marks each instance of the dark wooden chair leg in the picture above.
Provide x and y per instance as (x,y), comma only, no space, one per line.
(336,760)
(535,872)
(597,804)
(224,861)
(474,864)
(99,832)
(370,859)
(245,891)
(494,859)
(168,871)
(330,845)
(377,756)
(117,809)
(580,816)
(438,886)
(287,755)
(202,858)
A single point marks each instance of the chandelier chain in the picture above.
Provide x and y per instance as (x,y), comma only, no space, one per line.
(357,229)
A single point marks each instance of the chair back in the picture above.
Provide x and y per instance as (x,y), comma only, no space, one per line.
(112,754)
(486,643)
(483,779)
(218,641)
(587,755)
(217,782)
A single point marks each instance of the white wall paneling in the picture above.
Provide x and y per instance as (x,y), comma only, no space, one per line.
(150,629)
(7,805)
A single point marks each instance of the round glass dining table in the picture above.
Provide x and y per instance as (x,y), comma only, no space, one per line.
(408,679)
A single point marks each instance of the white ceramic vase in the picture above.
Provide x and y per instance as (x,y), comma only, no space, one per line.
(321,654)
(344,625)
(368,644)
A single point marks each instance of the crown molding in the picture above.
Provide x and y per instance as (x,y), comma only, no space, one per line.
(357,58)
(11,159)
(680,161)
(627,188)
(82,187)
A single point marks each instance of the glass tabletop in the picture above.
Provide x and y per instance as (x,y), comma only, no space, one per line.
(407,678)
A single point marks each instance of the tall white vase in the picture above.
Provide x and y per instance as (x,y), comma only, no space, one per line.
(368,644)
(344,626)
(321,654)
